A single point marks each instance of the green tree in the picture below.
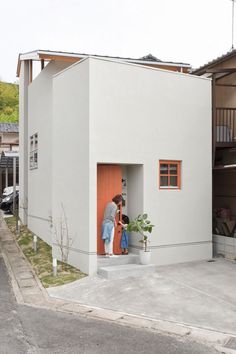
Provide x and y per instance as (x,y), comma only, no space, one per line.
(9,102)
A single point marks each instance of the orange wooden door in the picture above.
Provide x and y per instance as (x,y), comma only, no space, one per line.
(109,183)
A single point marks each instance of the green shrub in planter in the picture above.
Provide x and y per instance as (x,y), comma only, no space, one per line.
(142,226)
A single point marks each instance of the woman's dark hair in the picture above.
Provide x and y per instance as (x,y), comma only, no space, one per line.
(117,199)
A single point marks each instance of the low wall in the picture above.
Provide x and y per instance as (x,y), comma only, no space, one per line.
(225,246)
(178,253)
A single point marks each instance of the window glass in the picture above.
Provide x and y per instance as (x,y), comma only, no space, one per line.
(173,169)
(173,181)
(36,158)
(164,181)
(164,169)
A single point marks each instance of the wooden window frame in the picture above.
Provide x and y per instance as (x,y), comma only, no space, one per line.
(178,175)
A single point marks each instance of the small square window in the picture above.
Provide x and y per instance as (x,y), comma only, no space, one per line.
(170,174)
(33,157)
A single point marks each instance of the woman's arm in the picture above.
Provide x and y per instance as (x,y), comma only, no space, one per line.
(113,213)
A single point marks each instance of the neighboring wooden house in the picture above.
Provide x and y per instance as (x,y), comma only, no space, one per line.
(222,71)
(9,141)
(9,137)
(100,126)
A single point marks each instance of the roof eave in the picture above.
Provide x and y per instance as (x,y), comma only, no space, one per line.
(45,54)
(34,55)
(42,53)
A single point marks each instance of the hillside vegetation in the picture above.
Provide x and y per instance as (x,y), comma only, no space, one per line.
(9,102)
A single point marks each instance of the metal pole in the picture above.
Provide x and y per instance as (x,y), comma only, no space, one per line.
(1,182)
(16,210)
(232,24)
(6,177)
(14,186)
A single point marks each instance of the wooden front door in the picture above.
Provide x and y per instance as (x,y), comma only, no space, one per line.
(109,183)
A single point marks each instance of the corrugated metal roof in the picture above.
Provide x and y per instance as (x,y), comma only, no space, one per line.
(9,128)
(6,159)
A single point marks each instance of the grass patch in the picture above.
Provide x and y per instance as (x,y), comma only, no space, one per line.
(41,260)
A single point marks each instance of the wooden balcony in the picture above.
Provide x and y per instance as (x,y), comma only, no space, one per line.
(224,130)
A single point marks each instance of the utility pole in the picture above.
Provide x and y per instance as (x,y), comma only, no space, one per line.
(233,2)
(15,208)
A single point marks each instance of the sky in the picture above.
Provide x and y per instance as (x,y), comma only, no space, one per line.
(193,32)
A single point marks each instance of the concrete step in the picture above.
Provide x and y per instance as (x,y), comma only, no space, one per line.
(125,270)
(117,260)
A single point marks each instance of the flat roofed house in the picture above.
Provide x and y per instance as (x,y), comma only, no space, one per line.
(93,127)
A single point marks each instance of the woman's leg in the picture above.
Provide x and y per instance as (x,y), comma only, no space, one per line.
(106,247)
(110,249)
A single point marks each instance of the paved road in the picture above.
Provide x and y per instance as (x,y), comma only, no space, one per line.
(25,329)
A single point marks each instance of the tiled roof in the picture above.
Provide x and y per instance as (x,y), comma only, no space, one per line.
(9,128)
(150,57)
(219,59)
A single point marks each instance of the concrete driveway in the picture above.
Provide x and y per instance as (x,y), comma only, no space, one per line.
(200,294)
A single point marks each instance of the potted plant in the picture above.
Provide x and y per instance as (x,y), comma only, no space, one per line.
(142,226)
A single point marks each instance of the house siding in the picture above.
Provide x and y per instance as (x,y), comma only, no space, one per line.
(40,179)
(141,116)
(70,175)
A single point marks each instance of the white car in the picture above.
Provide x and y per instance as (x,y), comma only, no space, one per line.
(8,190)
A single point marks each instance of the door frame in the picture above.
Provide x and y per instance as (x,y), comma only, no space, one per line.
(117,187)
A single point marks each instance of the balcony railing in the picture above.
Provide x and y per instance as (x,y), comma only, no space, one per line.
(225,126)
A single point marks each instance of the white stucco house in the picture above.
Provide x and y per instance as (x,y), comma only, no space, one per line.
(95,127)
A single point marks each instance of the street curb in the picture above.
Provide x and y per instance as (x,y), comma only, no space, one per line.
(15,287)
(208,336)
(39,284)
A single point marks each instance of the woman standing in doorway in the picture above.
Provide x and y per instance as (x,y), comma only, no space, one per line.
(109,223)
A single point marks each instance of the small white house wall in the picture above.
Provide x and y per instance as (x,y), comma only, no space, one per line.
(135,194)
(40,179)
(70,177)
(139,116)
(23,141)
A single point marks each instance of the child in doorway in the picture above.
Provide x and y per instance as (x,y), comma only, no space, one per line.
(125,236)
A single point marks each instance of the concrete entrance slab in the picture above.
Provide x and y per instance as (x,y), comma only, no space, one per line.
(198,294)
(121,271)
